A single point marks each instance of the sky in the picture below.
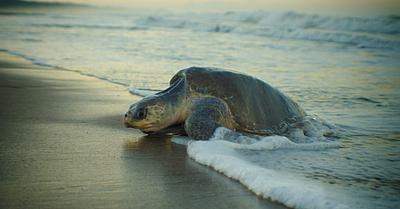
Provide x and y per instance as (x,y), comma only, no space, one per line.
(329,6)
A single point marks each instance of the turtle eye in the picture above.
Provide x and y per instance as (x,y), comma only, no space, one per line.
(140,113)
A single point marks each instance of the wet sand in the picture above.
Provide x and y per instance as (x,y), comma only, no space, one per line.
(63,145)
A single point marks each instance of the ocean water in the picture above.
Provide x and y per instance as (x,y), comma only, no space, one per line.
(344,70)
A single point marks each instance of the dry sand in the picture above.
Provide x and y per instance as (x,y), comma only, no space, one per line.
(63,145)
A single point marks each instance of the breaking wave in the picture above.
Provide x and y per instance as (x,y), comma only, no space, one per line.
(268,165)
(228,152)
(362,32)
(290,189)
(88,26)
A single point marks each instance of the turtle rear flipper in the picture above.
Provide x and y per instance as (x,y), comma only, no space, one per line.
(206,115)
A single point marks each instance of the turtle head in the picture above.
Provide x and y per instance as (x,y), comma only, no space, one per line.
(152,114)
(161,110)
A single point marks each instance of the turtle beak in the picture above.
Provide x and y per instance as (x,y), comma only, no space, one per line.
(148,132)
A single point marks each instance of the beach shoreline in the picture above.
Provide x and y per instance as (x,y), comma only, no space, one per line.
(63,145)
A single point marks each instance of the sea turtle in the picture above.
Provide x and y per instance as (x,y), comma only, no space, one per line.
(199,100)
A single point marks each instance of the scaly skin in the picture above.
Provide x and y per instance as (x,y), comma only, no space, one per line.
(205,116)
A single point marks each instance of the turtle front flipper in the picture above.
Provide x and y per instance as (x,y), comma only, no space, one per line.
(206,115)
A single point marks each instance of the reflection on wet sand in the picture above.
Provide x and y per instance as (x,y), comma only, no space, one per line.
(161,175)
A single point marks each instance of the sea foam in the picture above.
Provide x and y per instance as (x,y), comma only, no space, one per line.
(141,92)
(289,189)
(222,153)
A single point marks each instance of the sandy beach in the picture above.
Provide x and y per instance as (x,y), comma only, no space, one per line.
(63,145)
(69,70)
